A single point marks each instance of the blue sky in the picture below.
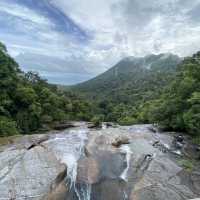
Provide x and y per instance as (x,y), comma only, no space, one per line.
(71,41)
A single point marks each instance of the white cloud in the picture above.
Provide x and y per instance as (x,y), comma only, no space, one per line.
(24,13)
(117,28)
(142,26)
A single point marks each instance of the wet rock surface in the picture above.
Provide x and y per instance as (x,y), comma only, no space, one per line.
(120,141)
(122,163)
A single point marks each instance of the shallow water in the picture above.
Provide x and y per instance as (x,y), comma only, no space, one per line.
(126,149)
(69,148)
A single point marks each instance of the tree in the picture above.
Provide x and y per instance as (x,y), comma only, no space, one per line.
(8,127)
(178,107)
(27,101)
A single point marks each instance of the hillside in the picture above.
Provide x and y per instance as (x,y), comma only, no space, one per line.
(130,77)
(178,107)
(28,103)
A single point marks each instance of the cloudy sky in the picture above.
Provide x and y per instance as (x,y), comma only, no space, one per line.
(69,41)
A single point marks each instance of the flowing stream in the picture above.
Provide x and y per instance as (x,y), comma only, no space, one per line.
(126,149)
(69,148)
(127,172)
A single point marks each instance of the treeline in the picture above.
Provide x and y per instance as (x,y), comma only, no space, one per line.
(178,107)
(28,103)
(175,106)
(120,93)
(167,95)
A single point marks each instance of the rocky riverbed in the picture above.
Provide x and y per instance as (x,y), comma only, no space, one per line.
(122,163)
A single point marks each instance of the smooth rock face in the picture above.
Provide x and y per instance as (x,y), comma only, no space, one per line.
(120,141)
(59,189)
(82,164)
(88,171)
(27,174)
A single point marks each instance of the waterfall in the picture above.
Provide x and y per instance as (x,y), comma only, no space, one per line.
(84,191)
(126,149)
(69,147)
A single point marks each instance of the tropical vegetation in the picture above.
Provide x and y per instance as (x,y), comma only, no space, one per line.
(161,89)
(28,103)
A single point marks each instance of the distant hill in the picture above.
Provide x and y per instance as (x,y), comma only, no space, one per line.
(131,80)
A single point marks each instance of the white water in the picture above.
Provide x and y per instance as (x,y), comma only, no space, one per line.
(126,149)
(85,192)
(69,147)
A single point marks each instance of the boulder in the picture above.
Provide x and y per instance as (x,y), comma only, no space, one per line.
(90,165)
(88,171)
(120,141)
(109,189)
(62,126)
(27,173)
(59,189)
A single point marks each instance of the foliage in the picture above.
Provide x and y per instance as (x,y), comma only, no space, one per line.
(121,92)
(27,101)
(167,92)
(196,140)
(127,121)
(154,89)
(179,105)
(7,127)
(97,120)
(187,164)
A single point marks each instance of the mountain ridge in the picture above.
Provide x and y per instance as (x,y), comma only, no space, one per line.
(126,74)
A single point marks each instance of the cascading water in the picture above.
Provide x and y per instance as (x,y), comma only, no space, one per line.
(126,149)
(69,147)
(124,175)
(84,192)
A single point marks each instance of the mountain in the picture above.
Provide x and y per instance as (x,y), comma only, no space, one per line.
(131,80)
(178,106)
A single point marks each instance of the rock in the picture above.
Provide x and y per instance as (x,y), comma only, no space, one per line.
(37,141)
(179,145)
(63,126)
(198,148)
(96,168)
(161,181)
(60,177)
(156,143)
(110,124)
(120,141)
(88,171)
(178,142)
(93,126)
(153,129)
(157,192)
(108,189)
(90,165)
(59,189)
(180,138)
(59,193)
(101,170)
(27,173)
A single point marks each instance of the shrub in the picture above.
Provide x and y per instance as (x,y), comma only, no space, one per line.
(187,164)
(97,120)
(126,121)
(46,119)
(192,120)
(196,140)
(7,127)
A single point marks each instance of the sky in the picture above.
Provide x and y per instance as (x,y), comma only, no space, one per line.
(70,41)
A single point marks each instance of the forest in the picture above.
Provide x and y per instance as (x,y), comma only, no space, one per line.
(28,103)
(166,96)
